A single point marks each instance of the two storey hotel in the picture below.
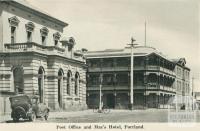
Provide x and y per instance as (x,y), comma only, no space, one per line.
(156,78)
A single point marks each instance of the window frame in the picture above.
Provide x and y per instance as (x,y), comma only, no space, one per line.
(44,34)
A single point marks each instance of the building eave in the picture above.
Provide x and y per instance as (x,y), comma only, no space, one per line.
(36,12)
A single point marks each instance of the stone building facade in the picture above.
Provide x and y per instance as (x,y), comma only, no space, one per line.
(183,90)
(36,58)
(156,78)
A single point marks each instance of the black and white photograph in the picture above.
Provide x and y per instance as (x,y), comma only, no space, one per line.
(122,63)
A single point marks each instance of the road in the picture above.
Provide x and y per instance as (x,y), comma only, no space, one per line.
(115,116)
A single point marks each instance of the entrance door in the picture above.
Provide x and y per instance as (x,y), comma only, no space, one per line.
(152,102)
(110,100)
(139,100)
(41,84)
(18,74)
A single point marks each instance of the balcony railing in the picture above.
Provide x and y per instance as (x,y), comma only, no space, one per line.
(31,46)
(34,47)
(127,87)
(108,87)
(127,68)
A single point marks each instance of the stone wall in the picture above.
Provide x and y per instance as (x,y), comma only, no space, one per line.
(51,65)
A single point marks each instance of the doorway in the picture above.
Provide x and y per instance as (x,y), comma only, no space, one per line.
(60,81)
(110,100)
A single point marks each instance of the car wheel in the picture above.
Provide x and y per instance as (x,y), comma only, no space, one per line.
(46,115)
(32,117)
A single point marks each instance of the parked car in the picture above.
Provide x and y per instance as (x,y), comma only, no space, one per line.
(28,107)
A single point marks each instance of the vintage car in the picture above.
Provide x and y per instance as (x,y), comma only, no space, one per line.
(28,107)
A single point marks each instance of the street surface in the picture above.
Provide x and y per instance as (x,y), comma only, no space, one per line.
(115,116)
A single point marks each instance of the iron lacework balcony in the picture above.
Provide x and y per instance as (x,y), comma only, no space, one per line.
(137,68)
(149,86)
(38,48)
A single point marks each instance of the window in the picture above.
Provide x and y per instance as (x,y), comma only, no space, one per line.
(29,36)
(29,29)
(71,44)
(60,87)
(68,82)
(44,33)
(43,40)
(13,34)
(14,21)
(76,91)
(56,37)
(70,48)
(56,42)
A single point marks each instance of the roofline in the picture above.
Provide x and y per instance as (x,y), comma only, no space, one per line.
(114,55)
(38,13)
(116,50)
(128,55)
(185,67)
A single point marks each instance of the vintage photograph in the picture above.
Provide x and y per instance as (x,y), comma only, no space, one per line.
(99,61)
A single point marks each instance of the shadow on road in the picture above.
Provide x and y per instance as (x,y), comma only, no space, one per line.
(20,121)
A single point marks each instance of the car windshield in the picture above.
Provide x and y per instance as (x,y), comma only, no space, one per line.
(19,99)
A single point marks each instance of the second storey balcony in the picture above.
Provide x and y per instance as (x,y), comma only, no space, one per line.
(150,63)
(37,48)
(136,68)
(121,81)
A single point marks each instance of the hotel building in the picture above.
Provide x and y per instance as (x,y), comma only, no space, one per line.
(156,78)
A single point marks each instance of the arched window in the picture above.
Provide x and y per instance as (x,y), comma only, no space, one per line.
(18,75)
(60,86)
(69,74)
(76,86)
(41,84)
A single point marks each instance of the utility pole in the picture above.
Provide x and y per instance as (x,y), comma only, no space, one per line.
(100,93)
(145,34)
(132,73)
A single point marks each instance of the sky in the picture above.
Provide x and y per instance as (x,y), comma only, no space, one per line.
(172,25)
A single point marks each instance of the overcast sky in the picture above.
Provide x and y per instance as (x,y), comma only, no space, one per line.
(172,25)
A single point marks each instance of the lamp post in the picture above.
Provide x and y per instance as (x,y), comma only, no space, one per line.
(100,93)
(131,72)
